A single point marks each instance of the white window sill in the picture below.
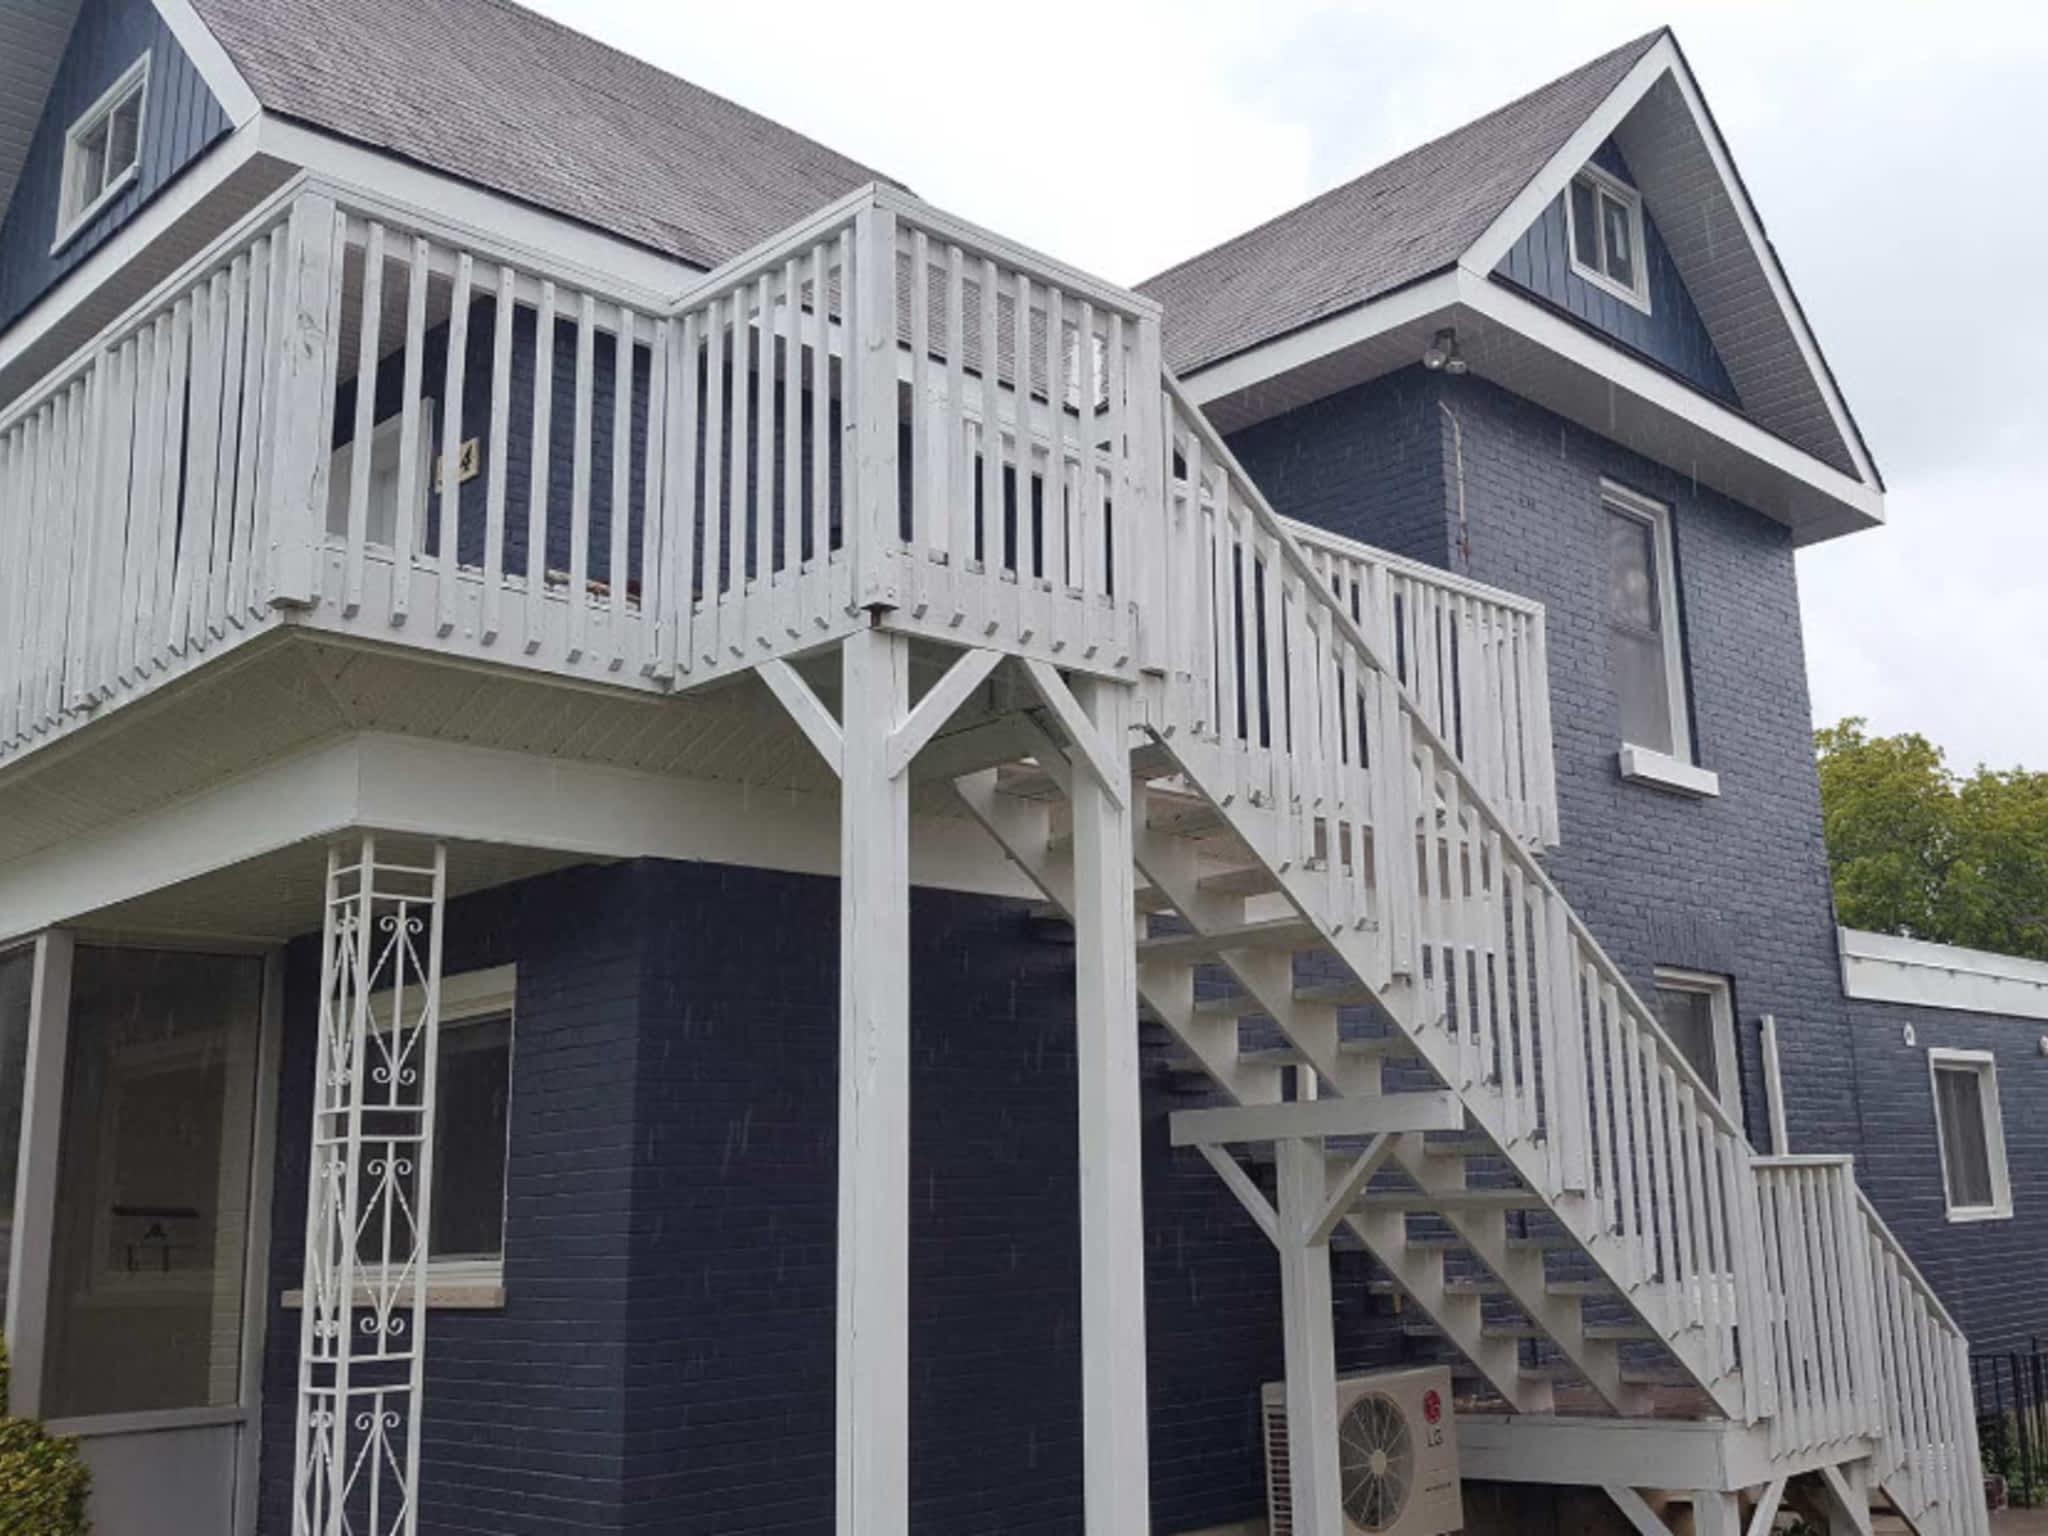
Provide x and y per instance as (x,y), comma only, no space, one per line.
(1639,765)
(468,1293)
(78,222)
(1973,1213)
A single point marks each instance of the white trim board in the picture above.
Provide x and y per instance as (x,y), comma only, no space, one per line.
(461,793)
(1883,968)
(1641,406)
(222,78)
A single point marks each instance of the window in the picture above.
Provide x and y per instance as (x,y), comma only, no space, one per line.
(153,1165)
(103,151)
(1606,219)
(1971,1134)
(1698,1013)
(382,522)
(1645,655)
(473,1088)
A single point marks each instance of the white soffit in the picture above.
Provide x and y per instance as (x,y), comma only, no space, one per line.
(1882,968)
(36,32)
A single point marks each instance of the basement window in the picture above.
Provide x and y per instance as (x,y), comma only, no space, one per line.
(1971,1134)
(1605,215)
(103,151)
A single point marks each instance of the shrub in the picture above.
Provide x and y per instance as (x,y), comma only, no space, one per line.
(43,1483)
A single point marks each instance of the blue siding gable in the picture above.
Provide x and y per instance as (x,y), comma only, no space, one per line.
(181,119)
(1672,335)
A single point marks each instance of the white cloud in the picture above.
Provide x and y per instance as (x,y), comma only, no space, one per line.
(1894,148)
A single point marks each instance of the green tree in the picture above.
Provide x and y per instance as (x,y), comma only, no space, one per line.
(43,1483)
(1917,850)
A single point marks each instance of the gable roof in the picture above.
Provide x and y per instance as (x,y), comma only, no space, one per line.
(529,108)
(36,32)
(1410,218)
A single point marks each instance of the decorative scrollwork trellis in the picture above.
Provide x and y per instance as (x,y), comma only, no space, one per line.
(362,1344)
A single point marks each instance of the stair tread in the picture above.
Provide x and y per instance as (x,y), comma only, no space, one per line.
(1449,1200)
(1334,994)
(1268,933)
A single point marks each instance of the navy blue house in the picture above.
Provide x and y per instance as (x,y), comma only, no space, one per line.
(1534,402)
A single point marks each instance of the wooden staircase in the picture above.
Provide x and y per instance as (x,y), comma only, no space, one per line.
(1330,905)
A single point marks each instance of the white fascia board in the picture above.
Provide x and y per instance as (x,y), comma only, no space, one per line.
(1883,968)
(1549,183)
(492,215)
(210,59)
(1504,306)
(1493,245)
(1314,342)
(400,784)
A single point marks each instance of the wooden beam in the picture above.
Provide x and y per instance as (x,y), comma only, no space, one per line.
(1363,1116)
(1716,1512)
(1116,1462)
(1767,1503)
(1340,1200)
(1849,1502)
(873,1408)
(1249,1195)
(938,705)
(808,711)
(1109,761)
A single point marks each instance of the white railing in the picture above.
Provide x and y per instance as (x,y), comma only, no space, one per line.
(1927,1455)
(883,408)
(136,491)
(1818,1302)
(1474,658)
(1780,1292)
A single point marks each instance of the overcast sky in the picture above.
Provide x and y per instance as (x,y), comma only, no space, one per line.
(1898,153)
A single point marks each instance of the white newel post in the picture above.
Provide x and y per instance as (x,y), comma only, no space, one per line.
(305,356)
(1116,1461)
(362,1341)
(1309,1329)
(874,1094)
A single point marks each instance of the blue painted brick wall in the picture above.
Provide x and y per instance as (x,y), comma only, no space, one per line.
(1736,885)
(525,1433)
(664,1362)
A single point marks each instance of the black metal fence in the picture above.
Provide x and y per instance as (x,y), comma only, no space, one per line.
(2011,1390)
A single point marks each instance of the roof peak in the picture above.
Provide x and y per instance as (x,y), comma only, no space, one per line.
(1629,52)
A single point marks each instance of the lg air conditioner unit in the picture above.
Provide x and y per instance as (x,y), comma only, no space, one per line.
(1397,1455)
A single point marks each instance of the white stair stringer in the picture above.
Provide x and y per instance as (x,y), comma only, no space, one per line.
(1024,829)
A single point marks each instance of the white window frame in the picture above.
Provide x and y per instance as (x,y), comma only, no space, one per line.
(1985,1065)
(1676,769)
(1613,187)
(1727,1085)
(71,215)
(389,431)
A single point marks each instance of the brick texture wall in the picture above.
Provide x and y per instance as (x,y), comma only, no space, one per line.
(664,1359)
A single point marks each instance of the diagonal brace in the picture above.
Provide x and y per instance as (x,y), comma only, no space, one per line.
(937,707)
(1348,1188)
(807,710)
(1104,758)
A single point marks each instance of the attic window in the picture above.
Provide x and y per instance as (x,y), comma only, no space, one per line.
(103,151)
(1606,218)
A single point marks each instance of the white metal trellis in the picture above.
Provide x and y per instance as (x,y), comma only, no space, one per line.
(362,1340)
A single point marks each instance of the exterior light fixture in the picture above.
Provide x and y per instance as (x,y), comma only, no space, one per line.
(1442,354)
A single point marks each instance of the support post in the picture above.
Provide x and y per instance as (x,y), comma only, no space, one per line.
(35,1189)
(1310,1337)
(1116,1460)
(874,1094)
(370,1182)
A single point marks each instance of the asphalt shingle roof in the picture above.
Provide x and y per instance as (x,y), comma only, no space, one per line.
(1410,218)
(503,97)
